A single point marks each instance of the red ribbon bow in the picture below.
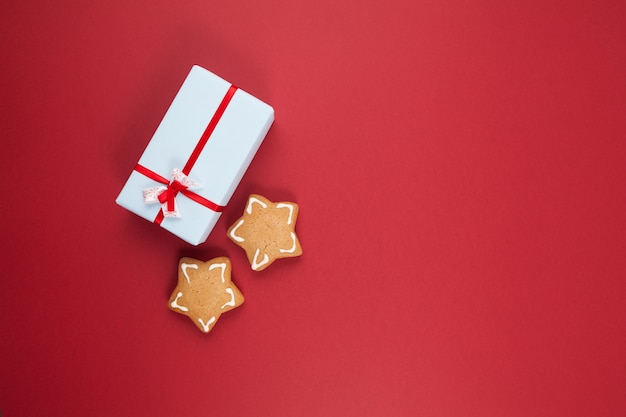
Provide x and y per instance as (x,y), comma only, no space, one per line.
(169,194)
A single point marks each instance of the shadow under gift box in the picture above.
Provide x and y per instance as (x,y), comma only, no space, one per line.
(242,124)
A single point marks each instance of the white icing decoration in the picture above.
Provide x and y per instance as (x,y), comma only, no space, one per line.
(206,326)
(232,232)
(290,207)
(293,248)
(232,298)
(184,267)
(255,264)
(254,200)
(176,305)
(223,266)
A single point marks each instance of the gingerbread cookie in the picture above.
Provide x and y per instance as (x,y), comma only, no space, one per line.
(266,231)
(204,291)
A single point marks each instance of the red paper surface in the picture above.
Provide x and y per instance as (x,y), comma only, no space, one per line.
(459,168)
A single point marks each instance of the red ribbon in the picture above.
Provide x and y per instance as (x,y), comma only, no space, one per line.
(176,187)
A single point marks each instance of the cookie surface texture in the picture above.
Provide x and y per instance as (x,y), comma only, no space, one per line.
(205,291)
(266,231)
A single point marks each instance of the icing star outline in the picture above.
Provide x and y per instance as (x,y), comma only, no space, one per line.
(205,291)
(266,231)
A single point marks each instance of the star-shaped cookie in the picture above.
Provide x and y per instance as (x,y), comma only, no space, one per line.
(266,231)
(205,291)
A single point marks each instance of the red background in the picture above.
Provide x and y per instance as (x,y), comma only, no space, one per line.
(459,167)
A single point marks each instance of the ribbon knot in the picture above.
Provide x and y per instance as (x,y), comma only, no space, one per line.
(166,195)
(169,194)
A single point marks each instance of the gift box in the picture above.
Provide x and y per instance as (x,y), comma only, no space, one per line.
(197,156)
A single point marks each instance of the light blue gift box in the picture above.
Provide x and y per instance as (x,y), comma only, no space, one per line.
(231,142)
